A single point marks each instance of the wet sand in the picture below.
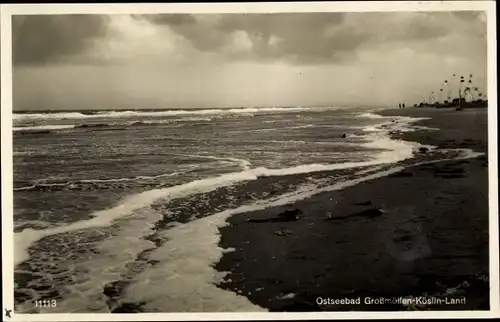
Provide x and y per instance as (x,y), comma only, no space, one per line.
(421,233)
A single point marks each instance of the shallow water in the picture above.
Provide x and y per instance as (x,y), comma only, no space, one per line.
(95,204)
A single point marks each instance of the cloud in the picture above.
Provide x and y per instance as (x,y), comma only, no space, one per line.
(315,37)
(43,39)
(271,36)
(297,38)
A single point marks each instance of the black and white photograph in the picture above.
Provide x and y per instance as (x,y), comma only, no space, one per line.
(223,160)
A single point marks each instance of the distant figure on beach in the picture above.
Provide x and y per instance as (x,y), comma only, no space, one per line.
(403,106)
(399,105)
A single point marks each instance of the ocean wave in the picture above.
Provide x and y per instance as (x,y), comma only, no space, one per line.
(20,225)
(117,114)
(371,116)
(379,137)
(296,127)
(55,127)
(170,121)
(93,125)
(243,163)
(20,153)
(41,184)
(42,127)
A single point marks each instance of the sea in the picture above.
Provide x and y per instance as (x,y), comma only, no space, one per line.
(118,211)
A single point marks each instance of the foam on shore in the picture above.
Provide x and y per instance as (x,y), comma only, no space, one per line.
(185,268)
(184,279)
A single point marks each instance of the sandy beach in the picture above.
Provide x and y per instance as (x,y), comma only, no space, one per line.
(419,234)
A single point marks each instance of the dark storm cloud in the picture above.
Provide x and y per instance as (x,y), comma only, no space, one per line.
(41,39)
(313,37)
(202,37)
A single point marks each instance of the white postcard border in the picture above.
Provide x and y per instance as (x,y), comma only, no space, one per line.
(6,147)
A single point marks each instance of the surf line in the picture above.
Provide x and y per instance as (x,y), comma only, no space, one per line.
(38,184)
(24,239)
(199,240)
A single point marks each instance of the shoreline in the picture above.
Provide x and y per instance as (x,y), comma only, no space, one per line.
(420,232)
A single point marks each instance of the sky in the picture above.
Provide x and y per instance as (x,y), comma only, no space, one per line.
(66,62)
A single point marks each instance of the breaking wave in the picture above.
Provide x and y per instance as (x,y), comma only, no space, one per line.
(42,127)
(220,111)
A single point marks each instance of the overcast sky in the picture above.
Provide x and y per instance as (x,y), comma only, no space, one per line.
(181,61)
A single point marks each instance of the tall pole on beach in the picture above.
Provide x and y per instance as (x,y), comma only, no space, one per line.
(458,85)
(460,88)
(460,92)
(472,89)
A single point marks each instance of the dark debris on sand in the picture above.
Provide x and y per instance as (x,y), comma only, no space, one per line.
(285,216)
(370,213)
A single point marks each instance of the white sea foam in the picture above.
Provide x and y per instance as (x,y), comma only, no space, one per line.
(76,115)
(243,163)
(371,116)
(404,121)
(43,127)
(172,174)
(184,279)
(24,239)
(394,123)
(176,120)
(395,150)
(295,127)
(40,223)
(19,153)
